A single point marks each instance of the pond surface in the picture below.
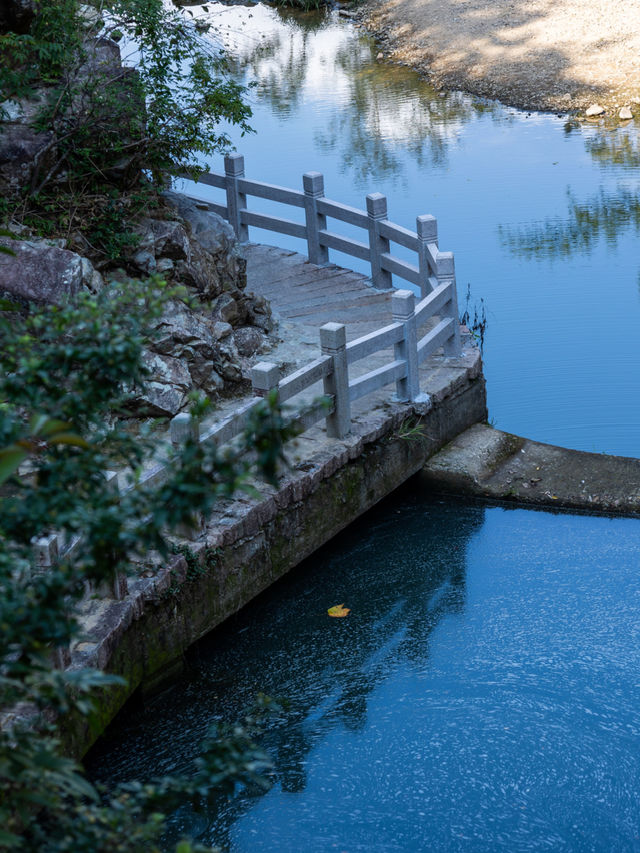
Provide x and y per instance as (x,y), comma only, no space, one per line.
(543,216)
(482,694)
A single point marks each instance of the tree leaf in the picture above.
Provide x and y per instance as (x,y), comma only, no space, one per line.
(10,460)
(69,438)
(338,611)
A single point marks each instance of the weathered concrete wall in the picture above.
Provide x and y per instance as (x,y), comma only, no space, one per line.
(487,463)
(249,544)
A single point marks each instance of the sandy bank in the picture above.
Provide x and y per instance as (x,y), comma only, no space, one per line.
(546,54)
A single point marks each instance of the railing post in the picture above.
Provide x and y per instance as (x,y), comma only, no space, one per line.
(445,273)
(182,427)
(333,341)
(46,551)
(427,230)
(264,378)
(403,311)
(120,585)
(377,211)
(313,184)
(236,201)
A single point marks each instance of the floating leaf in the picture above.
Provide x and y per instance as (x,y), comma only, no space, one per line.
(338,611)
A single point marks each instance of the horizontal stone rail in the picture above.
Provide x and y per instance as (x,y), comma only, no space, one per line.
(340,390)
(432,267)
(434,274)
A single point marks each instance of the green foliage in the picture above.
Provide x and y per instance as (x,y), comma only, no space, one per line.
(43,53)
(118,134)
(66,374)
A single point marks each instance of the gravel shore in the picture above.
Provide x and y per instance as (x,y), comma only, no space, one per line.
(558,55)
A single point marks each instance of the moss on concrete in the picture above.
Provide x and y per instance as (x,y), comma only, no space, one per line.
(240,560)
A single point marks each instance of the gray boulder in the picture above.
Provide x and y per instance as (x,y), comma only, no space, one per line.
(165,392)
(24,153)
(207,228)
(249,340)
(40,273)
(194,339)
(163,239)
(216,263)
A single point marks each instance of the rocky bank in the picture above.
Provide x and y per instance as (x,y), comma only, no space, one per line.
(203,342)
(559,55)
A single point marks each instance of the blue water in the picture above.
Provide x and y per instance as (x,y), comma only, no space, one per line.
(482,694)
(543,216)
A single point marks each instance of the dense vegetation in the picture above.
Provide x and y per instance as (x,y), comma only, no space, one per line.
(116,134)
(113,136)
(63,375)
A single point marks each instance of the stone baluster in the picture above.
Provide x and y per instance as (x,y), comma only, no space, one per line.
(46,551)
(427,231)
(119,586)
(445,273)
(264,378)
(313,184)
(236,200)
(182,428)
(378,245)
(403,311)
(333,342)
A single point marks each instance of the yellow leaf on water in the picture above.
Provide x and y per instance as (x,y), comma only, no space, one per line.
(338,611)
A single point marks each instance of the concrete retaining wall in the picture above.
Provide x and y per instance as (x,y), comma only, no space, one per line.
(249,544)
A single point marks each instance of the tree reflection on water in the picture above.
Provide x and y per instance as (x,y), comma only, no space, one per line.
(401,569)
(374,113)
(607,215)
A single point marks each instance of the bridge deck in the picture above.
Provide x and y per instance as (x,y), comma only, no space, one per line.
(304,296)
(308,295)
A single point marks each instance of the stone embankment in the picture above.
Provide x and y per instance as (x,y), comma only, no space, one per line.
(487,463)
(250,542)
(555,55)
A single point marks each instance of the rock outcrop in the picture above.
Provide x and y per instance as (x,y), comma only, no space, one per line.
(204,341)
(45,273)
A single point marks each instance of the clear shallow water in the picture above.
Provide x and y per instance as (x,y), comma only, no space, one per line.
(483,693)
(543,218)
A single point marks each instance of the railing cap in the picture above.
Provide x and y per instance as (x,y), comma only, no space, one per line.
(313,183)
(46,550)
(182,427)
(377,205)
(265,376)
(427,228)
(333,336)
(444,264)
(234,165)
(402,304)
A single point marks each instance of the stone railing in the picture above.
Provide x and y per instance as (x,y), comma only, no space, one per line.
(433,267)
(437,309)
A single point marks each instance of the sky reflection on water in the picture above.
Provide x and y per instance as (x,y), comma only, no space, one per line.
(543,216)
